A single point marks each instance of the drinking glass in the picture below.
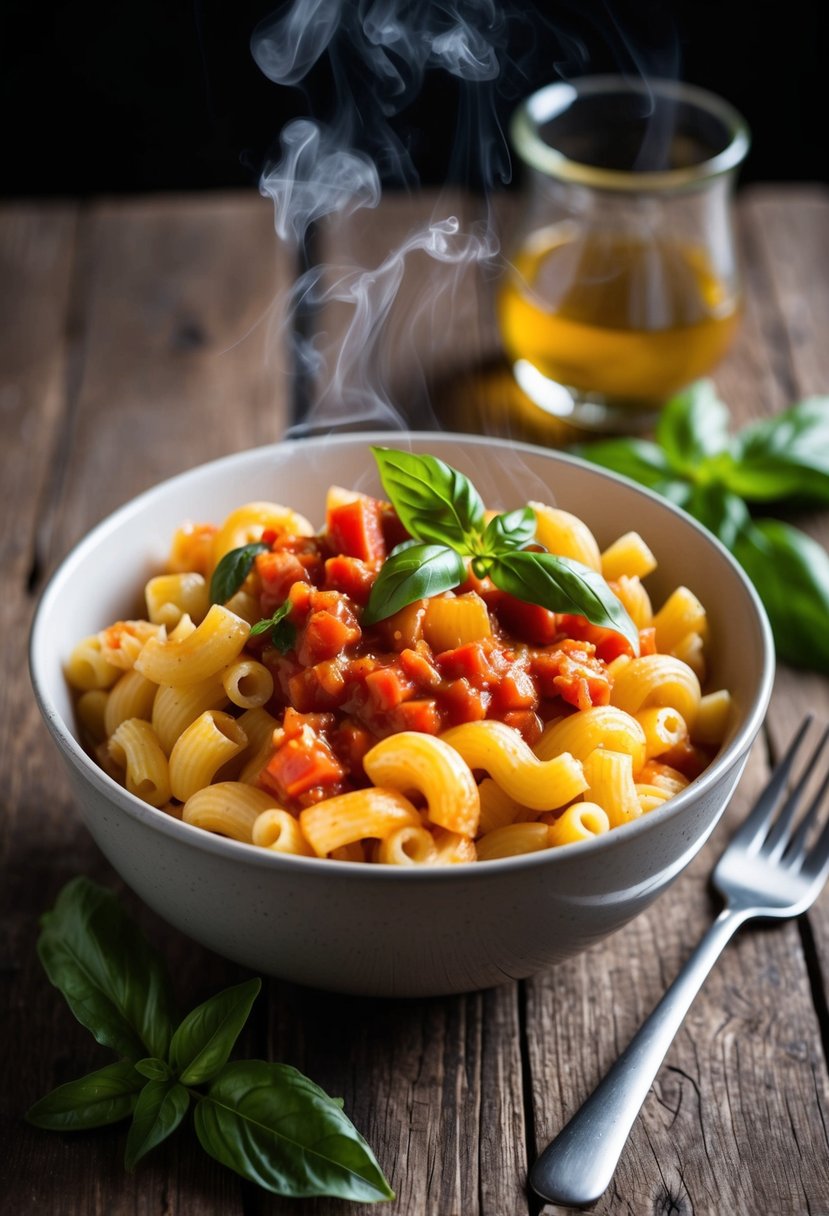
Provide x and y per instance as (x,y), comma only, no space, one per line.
(622,283)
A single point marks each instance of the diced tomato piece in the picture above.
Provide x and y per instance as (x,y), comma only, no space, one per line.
(422,715)
(419,668)
(571,670)
(324,636)
(464,703)
(469,662)
(404,629)
(300,597)
(526,722)
(300,764)
(387,688)
(278,572)
(392,526)
(609,643)
(317,688)
(351,576)
(515,691)
(355,529)
(351,741)
(530,622)
(302,690)
(293,722)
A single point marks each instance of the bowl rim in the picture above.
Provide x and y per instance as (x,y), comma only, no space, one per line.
(211,842)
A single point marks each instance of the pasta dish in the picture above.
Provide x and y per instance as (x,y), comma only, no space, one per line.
(378,690)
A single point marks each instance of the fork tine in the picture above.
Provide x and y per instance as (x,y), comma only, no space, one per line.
(757,823)
(778,837)
(816,865)
(796,851)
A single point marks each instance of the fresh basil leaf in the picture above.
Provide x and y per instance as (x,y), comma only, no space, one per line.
(718,510)
(204,1040)
(153,1069)
(692,427)
(232,571)
(160,1108)
(273,1126)
(791,574)
(283,631)
(283,636)
(434,501)
(269,622)
(512,530)
(563,585)
(783,457)
(637,459)
(105,1096)
(113,981)
(417,573)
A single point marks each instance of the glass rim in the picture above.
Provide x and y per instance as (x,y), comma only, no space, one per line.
(553,99)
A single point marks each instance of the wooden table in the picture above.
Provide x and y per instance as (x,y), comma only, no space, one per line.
(141,337)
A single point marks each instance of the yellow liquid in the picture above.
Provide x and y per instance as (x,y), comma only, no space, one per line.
(627,320)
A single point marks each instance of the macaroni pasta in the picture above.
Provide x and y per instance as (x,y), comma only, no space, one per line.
(468,726)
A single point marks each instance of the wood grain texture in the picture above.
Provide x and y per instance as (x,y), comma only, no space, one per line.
(140,338)
(136,348)
(791,232)
(180,301)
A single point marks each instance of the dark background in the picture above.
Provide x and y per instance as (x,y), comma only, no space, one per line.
(142,95)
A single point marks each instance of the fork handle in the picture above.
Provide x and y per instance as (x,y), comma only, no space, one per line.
(579,1164)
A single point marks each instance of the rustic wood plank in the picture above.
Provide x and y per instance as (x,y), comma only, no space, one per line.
(169,315)
(182,303)
(791,227)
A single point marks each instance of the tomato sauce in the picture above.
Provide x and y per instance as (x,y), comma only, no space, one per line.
(339,686)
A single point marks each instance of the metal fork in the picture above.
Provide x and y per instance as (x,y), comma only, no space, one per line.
(770,869)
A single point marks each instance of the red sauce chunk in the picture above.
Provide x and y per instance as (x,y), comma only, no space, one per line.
(339,686)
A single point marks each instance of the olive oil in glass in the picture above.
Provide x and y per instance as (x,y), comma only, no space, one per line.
(621,286)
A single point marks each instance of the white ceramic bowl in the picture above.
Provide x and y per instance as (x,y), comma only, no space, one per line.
(374,929)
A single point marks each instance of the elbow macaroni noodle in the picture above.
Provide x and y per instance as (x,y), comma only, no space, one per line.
(189,719)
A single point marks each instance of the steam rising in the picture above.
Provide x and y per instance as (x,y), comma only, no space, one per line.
(378,52)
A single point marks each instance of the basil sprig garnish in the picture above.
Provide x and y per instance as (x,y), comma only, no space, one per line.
(445,516)
(283,631)
(719,477)
(266,1121)
(233,569)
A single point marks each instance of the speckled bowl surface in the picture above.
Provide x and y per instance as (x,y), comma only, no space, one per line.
(376,929)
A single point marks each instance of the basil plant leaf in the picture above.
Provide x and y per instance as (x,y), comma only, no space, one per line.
(783,457)
(271,622)
(105,1096)
(204,1040)
(692,427)
(232,571)
(434,501)
(791,574)
(718,510)
(512,530)
(637,459)
(113,981)
(273,1126)
(152,1069)
(417,572)
(283,631)
(563,585)
(160,1108)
